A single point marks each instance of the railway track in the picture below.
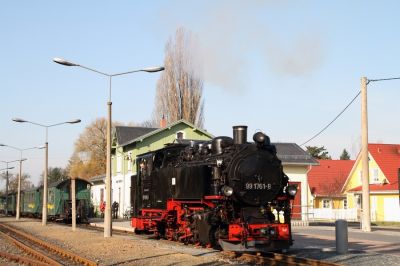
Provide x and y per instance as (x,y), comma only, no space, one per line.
(43,253)
(277,259)
(233,257)
(259,258)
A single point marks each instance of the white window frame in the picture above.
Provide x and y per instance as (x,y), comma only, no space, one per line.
(345,204)
(326,204)
(183,134)
(375,175)
(129,161)
(119,163)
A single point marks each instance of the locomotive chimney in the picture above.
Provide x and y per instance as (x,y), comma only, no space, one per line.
(239,134)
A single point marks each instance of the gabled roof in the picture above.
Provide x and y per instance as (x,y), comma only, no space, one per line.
(387,156)
(125,134)
(328,178)
(291,153)
(156,131)
(394,187)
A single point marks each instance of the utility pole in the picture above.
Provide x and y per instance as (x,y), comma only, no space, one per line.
(366,217)
(7,185)
(73,207)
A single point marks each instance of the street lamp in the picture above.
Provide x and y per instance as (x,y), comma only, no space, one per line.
(20,174)
(107,216)
(7,168)
(20,120)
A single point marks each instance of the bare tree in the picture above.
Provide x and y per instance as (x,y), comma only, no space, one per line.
(89,156)
(54,174)
(25,182)
(180,87)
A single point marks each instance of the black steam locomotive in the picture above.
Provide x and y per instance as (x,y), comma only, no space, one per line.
(224,193)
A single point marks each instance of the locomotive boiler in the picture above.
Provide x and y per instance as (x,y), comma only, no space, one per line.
(225,193)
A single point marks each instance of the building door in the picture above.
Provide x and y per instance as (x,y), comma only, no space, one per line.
(296,203)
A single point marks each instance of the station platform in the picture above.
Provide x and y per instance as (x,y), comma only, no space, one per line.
(117,224)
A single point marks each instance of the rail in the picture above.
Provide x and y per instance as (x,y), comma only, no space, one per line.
(271,258)
(52,248)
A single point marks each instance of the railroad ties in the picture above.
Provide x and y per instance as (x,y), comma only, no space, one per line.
(275,259)
(43,253)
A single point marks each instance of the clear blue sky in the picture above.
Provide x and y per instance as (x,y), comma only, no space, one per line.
(285,68)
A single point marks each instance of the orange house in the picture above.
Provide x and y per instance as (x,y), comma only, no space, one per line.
(326,181)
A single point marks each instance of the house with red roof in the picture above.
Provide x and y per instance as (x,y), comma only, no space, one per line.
(326,181)
(384,165)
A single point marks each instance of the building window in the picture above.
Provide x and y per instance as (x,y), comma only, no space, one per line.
(180,135)
(326,203)
(375,177)
(129,161)
(119,162)
(345,204)
(101,194)
(359,201)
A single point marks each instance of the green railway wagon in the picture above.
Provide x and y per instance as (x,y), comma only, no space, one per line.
(31,202)
(11,203)
(59,201)
(2,204)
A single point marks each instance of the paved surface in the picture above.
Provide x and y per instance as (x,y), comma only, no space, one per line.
(323,237)
(379,247)
(122,225)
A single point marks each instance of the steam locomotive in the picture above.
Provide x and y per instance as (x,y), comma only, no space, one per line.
(225,193)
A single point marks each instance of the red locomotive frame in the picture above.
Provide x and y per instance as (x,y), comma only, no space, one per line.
(178,228)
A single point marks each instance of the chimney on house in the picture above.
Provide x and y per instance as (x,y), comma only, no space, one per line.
(163,122)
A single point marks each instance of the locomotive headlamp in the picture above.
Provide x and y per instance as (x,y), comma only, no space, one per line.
(292,190)
(264,231)
(227,190)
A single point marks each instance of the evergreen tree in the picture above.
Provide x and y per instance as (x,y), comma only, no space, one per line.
(319,153)
(345,155)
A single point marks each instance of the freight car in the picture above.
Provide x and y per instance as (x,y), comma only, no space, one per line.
(225,193)
(59,203)
(2,204)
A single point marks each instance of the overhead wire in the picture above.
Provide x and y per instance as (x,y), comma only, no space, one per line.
(355,97)
(341,112)
(372,80)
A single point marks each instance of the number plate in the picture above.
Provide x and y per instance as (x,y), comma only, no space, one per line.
(257,186)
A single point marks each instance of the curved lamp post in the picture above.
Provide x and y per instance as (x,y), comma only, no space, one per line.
(107,216)
(20,174)
(20,120)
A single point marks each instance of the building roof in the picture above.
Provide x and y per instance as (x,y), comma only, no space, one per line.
(328,177)
(387,156)
(156,131)
(125,134)
(394,187)
(97,178)
(291,153)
